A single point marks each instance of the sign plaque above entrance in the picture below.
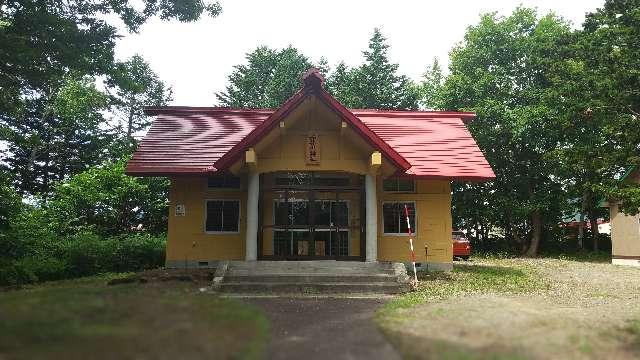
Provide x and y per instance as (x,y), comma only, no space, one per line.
(312,149)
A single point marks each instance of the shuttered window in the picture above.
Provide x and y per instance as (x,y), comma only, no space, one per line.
(223,216)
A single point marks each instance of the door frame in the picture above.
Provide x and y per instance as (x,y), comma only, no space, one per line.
(312,188)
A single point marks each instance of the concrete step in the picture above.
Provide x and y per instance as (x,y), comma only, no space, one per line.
(309,267)
(314,288)
(310,278)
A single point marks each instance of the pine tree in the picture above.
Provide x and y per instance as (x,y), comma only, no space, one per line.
(376,83)
(431,85)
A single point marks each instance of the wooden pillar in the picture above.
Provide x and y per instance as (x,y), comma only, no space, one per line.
(253,194)
(372,207)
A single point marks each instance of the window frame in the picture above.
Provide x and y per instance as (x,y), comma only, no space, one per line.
(206,215)
(414,232)
(398,191)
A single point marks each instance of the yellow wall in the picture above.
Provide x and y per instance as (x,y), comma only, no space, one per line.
(625,233)
(187,240)
(433,224)
(625,229)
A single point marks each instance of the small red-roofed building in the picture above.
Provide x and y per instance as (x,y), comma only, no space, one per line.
(309,180)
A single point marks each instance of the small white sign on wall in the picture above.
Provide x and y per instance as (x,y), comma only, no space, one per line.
(180,210)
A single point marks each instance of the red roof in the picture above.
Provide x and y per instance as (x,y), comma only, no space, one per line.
(197,140)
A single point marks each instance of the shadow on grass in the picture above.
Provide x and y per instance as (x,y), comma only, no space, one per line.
(413,346)
(472,269)
(600,257)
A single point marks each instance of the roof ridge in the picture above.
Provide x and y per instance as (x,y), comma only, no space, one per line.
(187,108)
(157,110)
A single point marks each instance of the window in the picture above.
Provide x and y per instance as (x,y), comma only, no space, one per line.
(394,218)
(399,185)
(223,182)
(223,216)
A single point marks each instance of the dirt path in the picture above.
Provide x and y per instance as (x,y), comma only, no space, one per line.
(324,328)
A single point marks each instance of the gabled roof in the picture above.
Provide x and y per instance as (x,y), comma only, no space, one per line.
(312,87)
(200,140)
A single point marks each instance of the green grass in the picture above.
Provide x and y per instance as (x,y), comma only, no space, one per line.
(85,318)
(467,279)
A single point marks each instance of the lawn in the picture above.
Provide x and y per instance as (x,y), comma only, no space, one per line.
(86,318)
(519,309)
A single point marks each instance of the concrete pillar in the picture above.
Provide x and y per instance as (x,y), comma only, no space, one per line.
(253,192)
(371,218)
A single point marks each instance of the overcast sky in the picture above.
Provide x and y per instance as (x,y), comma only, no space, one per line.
(196,58)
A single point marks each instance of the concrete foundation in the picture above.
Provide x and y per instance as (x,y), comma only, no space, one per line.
(191,264)
(626,262)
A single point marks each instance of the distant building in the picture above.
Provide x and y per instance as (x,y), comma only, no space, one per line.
(625,229)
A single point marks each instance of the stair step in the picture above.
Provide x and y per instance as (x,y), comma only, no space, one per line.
(310,278)
(319,288)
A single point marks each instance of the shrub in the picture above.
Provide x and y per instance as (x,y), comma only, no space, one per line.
(83,254)
(12,273)
(89,254)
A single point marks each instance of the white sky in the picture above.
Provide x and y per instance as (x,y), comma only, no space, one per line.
(196,58)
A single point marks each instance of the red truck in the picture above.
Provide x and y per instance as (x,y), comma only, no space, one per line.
(461,245)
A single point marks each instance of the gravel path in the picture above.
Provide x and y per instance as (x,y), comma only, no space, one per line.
(324,328)
(585,313)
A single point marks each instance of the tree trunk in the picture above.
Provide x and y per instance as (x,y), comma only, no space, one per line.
(593,220)
(583,209)
(130,124)
(536,225)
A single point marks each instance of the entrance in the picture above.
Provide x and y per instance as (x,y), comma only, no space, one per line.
(314,215)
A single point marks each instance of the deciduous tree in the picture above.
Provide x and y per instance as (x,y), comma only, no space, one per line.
(500,72)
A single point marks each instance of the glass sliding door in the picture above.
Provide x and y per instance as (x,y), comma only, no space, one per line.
(311,215)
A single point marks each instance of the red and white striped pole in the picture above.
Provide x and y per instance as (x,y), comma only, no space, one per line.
(413,254)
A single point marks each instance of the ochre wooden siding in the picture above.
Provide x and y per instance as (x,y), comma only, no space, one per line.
(187,239)
(433,224)
(625,233)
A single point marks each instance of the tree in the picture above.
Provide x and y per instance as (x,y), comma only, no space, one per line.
(376,83)
(596,90)
(63,134)
(431,85)
(106,201)
(136,85)
(48,49)
(268,79)
(10,203)
(500,72)
(42,41)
